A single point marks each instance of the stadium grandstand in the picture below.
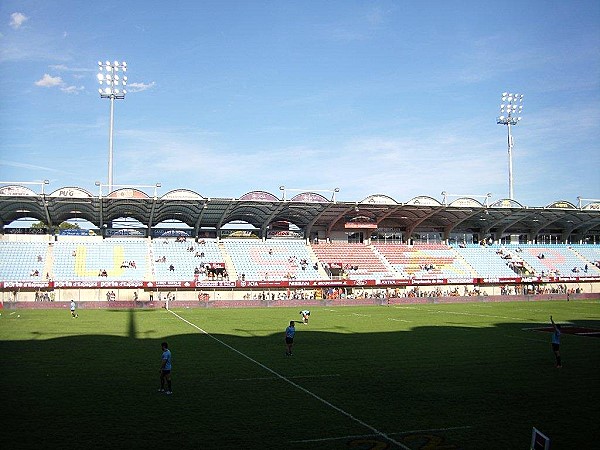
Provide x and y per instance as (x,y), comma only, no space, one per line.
(185,247)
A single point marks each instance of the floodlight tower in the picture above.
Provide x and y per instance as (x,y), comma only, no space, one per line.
(510,114)
(108,75)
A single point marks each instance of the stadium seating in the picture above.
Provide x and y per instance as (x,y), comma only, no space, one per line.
(358,260)
(187,258)
(487,262)
(556,260)
(23,261)
(423,261)
(275,259)
(591,254)
(86,259)
(138,259)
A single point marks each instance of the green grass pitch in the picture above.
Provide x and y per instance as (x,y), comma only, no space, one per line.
(414,377)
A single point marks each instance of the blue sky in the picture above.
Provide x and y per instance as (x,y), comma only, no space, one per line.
(372,97)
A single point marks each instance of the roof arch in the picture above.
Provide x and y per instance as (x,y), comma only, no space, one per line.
(561,204)
(70,192)
(128,193)
(182,194)
(309,197)
(14,190)
(506,203)
(423,200)
(466,202)
(259,196)
(592,206)
(379,199)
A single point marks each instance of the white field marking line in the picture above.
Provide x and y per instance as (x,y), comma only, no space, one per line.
(544,341)
(398,320)
(296,385)
(14,312)
(480,315)
(430,430)
(360,315)
(291,378)
(549,325)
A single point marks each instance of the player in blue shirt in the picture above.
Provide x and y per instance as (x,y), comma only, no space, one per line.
(556,343)
(290,331)
(165,369)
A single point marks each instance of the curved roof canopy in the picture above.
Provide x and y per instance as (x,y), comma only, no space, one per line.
(309,211)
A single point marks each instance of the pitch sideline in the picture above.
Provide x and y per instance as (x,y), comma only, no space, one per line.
(296,385)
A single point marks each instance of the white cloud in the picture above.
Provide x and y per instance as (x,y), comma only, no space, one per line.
(65,68)
(49,81)
(17,19)
(7,163)
(72,89)
(139,87)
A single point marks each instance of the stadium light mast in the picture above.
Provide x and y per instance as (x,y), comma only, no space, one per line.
(109,76)
(510,114)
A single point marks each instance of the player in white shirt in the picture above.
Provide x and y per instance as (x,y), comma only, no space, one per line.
(305,315)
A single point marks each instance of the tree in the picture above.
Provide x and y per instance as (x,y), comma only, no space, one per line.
(62,226)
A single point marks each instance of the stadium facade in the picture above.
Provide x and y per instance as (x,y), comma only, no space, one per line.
(373,223)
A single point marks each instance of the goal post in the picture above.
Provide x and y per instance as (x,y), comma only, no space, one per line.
(539,441)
